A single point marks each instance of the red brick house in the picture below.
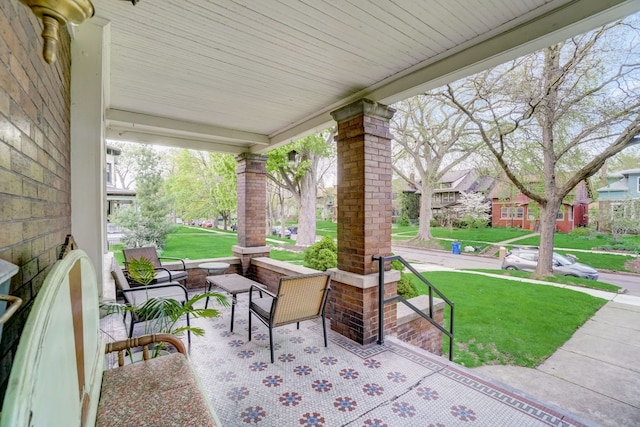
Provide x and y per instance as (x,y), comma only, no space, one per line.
(511,208)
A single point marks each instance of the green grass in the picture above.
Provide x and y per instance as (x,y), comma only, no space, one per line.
(511,323)
(327,228)
(557,278)
(288,256)
(588,241)
(479,234)
(188,243)
(471,235)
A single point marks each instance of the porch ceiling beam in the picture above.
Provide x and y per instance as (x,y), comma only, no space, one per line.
(123,119)
(500,46)
(128,135)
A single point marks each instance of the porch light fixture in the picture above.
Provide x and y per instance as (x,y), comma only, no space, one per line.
(55,13)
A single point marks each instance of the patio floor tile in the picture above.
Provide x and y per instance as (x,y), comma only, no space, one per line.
(344,384)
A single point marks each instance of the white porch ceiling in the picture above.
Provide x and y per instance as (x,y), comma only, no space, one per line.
(249,75)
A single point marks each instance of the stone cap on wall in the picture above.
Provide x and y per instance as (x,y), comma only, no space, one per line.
(406,314)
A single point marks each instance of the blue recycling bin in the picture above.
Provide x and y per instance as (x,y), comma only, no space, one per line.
(455,248)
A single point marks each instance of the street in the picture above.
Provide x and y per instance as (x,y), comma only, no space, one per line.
(630,282)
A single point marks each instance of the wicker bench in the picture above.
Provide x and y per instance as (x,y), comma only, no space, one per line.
(58,377)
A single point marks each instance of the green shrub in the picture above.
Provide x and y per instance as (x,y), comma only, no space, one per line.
(406,288)
(403,221)
(322,255)
(397,265)
(582,232)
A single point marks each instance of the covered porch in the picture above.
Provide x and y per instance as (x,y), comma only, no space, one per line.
(246,78)
(344,384)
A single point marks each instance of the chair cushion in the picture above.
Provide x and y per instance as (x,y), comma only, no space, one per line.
(262,307)
(141,295)
(158,392)
(162,275)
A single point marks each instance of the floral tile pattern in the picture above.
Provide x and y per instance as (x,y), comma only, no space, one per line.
(344,384)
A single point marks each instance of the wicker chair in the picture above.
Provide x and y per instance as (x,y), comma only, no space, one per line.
(298,298)
(162,274)
(138,296)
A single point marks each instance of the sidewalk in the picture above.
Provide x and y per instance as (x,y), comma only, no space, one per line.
(595,374)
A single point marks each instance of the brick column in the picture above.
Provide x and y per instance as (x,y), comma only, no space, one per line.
(364,220)
(252,208)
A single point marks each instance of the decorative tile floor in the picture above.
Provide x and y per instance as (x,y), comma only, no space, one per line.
(343,384)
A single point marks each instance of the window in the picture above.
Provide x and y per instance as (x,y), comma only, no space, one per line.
(109,173)
(512,212)
(560,215)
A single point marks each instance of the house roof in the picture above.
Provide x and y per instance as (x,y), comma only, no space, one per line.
(238,75)
(622,185)
(623,173)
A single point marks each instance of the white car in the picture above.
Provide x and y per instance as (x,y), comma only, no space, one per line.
(527,260)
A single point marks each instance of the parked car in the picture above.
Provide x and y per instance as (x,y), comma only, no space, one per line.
(526,259)
(277,231)
(207,223)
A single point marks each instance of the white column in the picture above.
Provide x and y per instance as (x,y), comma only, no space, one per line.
(89,80)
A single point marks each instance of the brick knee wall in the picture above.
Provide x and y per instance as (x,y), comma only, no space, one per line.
(421,333)
(35,201)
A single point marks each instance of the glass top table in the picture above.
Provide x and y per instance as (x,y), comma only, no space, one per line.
(213,268)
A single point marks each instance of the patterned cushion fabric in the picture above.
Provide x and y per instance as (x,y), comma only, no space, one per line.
(159,392)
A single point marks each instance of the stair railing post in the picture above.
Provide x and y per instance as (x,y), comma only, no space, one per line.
(381,300)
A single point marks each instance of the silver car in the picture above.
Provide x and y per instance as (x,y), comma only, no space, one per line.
(527,260)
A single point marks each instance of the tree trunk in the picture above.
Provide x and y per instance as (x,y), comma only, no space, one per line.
(424,227)
(307,212)
(548,215)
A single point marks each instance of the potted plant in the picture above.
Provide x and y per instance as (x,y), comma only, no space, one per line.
(161,314)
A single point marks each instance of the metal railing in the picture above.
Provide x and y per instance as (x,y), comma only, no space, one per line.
(382,301)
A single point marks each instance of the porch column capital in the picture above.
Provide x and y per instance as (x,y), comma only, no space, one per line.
(363,107)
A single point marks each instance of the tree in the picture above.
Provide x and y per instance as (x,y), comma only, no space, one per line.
(432,138)
(203,184)
(146,221)
(300,176)
(556,115)
(474,208)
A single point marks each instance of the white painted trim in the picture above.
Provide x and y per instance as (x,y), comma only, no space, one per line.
(89,68)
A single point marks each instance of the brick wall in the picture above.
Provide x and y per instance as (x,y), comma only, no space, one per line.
(421,333)
(34,160)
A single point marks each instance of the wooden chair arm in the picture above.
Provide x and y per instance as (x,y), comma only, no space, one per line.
(143,341)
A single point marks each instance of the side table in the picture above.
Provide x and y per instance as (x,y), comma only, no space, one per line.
(233,284)
(213,269)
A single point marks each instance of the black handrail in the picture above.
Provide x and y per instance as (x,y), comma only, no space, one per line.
(382,301)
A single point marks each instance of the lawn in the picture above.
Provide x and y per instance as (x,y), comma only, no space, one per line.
(558,278)
(511,323)
(193,243)
(589,240)
(470,235)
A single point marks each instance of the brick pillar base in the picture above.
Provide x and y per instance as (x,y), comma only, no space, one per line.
(353,305)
